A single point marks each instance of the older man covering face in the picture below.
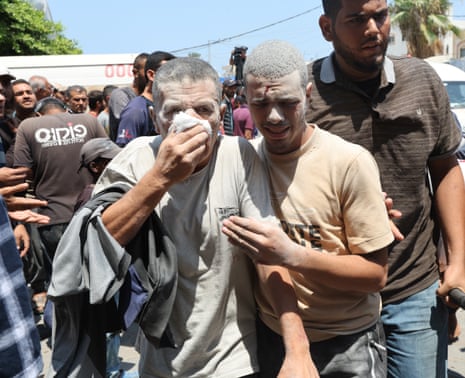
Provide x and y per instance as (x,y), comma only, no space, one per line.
(193,179)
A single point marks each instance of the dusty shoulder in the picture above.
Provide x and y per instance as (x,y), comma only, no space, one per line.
(235,143)
(236,151)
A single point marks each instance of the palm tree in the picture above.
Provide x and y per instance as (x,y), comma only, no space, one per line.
(423,23)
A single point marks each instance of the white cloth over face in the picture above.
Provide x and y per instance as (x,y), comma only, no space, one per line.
(183,121)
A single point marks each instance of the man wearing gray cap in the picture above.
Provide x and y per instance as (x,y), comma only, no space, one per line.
(95,155)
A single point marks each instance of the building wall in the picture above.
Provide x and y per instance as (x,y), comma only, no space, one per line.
(397,46)
(453,46)
(89,70)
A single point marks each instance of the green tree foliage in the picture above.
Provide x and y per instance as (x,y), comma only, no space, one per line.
(25,31)
(422,23)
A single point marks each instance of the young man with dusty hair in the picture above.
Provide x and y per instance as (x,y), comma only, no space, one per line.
(334,226)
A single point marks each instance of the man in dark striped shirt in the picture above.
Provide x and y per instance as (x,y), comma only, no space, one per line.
(229,91)
(399,110)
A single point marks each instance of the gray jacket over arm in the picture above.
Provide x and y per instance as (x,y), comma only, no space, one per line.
(89,268)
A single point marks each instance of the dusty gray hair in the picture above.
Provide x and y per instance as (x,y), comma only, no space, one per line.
(180,69)
(275,59)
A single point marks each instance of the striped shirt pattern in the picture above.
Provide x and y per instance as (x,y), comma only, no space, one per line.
(19,338)
(404,121)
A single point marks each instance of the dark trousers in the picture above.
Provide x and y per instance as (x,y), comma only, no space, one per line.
(362,354)
(34,262)
(50,237)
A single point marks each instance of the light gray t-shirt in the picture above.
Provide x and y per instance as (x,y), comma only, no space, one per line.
(213,319)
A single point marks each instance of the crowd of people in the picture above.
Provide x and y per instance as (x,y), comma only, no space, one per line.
(280,224)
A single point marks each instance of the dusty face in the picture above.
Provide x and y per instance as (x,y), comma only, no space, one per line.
(360,36)
(278,110)
(25,99)
(198,99)
(78,102)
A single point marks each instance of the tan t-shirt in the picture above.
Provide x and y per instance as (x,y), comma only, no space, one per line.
(327,195)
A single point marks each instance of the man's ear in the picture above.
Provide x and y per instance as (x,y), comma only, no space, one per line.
(308,90)
(222,111)
(326,27)
(93,167)
(153,117)
(150,75)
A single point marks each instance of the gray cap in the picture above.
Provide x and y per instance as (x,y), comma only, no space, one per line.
(98,148)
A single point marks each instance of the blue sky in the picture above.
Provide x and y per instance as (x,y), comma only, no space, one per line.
(115,26)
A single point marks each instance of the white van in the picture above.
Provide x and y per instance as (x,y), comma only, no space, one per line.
(454,81)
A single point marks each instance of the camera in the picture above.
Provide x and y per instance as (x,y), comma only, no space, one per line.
(239,51)
(238,57)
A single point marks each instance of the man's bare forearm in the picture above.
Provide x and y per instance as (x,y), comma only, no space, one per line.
(125,217)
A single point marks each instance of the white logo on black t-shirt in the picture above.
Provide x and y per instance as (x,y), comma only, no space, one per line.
(61,136)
